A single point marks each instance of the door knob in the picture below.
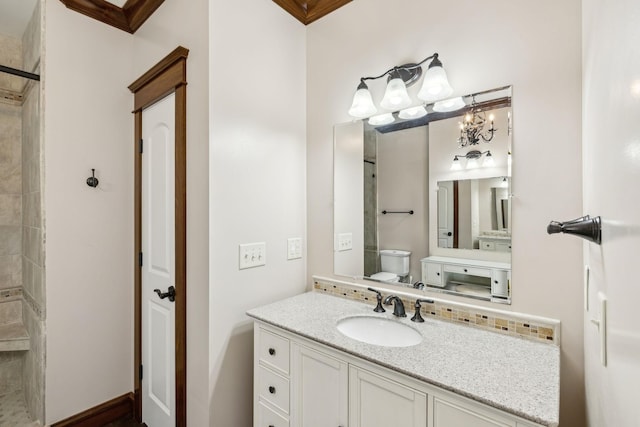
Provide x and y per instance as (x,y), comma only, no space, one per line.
(171,293)
(449,234)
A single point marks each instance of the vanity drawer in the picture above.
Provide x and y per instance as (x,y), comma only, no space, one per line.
(487,246)
(471,271)
(273,388)
(269,418)
(432,273)
(503,247)
(273,351)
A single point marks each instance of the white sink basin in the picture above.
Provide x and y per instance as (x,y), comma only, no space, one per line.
(379,331)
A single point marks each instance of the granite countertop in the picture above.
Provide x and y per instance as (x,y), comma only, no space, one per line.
(516,375)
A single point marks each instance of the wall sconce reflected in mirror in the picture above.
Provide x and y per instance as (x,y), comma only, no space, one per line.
(473,160)
(435,86)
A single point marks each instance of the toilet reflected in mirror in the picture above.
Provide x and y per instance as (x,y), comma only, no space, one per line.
(394,266)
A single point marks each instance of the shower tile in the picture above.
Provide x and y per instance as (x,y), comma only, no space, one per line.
(10,209)
(10,372)
(32,244)
(10,149)
(31,215)
(13,411)
(10,240)
(10,312)
(10,271)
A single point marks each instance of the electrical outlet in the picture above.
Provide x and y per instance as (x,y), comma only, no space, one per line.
(345,242)
(253,255)
(294,248)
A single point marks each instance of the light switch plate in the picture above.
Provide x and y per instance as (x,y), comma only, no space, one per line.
(345,242)
(253,255)
(294,248)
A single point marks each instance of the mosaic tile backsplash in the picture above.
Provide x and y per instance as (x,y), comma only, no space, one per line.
(502,322)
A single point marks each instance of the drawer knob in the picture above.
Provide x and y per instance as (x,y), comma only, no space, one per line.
(465,270)
(272,351)
(437,274)
(272,389)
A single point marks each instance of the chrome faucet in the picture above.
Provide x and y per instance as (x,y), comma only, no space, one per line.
(398,306)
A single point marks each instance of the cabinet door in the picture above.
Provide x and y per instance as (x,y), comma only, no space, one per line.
(375,401)
(447,413)
(432,273)
(319,392)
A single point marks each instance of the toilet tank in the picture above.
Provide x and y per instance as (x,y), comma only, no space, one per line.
(395,261)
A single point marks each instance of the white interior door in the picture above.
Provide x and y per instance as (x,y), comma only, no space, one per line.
(445,214)
(611,167)
(158,266)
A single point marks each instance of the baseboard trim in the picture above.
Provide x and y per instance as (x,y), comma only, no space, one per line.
(102,414)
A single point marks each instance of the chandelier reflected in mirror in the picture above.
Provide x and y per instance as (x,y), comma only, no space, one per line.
(472,127)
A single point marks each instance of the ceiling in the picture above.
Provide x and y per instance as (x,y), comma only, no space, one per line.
(14,16)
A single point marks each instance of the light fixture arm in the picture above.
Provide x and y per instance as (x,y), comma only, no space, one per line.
(407,67)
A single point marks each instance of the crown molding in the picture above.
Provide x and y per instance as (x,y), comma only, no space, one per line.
(311,10)
(127,18)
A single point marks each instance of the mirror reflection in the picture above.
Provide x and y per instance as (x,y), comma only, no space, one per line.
(474,214)
(436,186)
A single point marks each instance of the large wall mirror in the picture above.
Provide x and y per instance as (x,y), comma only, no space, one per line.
(436,186)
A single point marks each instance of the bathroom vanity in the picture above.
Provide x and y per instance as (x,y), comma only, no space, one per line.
(485,280)
(308,373)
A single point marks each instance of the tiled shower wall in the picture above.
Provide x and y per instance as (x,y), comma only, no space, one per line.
(10,169)
(33,222)
(21,220)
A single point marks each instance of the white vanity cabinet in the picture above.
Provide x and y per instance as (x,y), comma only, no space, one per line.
(376,401)
(319,388)
(455,274)
(497,244)
(329,388)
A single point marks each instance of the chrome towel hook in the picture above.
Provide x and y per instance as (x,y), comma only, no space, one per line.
(586,227)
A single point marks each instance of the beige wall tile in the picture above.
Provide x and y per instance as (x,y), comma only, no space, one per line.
(10,209)
(32,212)
(10,271)
(32,247)
(10,240)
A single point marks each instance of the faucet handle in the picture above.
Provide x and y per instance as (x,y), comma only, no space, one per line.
(417,317)
(379,308)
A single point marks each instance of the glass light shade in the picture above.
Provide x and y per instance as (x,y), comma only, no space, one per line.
(381,119)
(455,165)
(396,96)
(362,106)
(448,105)
(472,163)
(413,112)
(435,85)
(488,160)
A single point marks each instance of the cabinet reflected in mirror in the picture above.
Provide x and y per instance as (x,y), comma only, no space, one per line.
(390,183)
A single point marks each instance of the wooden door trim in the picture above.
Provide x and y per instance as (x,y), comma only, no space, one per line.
(168,76)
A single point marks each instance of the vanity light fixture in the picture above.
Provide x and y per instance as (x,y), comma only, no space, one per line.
(472,126)
(435,86)
(473,158)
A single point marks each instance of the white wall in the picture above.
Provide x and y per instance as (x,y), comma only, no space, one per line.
(533,46)
(89,245)
(257,183)
(348,193)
